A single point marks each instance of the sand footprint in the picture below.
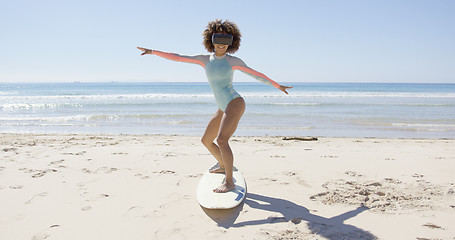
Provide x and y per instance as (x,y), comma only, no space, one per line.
(165,172)
(44,234)
(86,208)
(40,173)
(141,212)
(57,162)
(94,198)
(433,226)
(43,194)
(134,211)
(40,236)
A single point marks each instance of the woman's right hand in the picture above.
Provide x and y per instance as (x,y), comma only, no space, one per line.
(145,50)
(284,88)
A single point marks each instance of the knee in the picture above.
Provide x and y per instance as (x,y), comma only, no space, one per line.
(222,141)
(206,142)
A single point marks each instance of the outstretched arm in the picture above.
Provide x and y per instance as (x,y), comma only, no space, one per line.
(238,64)
(198,59)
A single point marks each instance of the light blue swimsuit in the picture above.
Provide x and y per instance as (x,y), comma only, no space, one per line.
(220,72)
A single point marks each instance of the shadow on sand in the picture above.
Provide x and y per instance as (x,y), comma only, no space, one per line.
(224,217)
(332,228)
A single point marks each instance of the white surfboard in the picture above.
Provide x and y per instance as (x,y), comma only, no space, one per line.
(211,200)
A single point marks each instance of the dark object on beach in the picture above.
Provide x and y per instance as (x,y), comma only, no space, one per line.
(300,138)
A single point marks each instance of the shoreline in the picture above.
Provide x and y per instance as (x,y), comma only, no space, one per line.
(234,136)
(74,186)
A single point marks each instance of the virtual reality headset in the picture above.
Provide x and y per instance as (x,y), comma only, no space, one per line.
(222,39)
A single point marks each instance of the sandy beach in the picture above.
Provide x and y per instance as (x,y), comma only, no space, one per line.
(144,187)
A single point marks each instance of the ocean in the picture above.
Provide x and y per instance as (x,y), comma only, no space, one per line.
(391,110)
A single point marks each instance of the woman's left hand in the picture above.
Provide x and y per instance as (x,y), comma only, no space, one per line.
(283,88)
(145,50)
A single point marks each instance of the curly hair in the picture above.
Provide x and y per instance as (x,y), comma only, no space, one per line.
(220,26)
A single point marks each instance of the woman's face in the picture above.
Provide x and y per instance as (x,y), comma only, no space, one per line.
(220,50)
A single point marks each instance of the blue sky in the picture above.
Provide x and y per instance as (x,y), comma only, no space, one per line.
(289,41)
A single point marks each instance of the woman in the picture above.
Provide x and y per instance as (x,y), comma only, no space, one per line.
(221,37)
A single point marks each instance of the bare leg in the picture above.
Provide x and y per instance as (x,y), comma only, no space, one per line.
(210,134)
(229,123)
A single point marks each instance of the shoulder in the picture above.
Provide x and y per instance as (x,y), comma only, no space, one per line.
(204,55)
(232,58)
(235,61)
(203,58)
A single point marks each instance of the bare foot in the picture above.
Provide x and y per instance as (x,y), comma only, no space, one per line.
(217,170)
(226,187)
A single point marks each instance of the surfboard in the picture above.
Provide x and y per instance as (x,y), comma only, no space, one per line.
(211,200)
